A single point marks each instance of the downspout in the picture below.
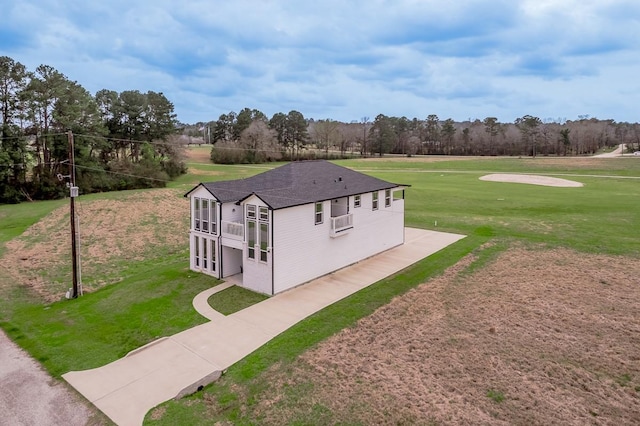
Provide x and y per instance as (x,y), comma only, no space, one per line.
(273,264)
(404,207)
(220,238)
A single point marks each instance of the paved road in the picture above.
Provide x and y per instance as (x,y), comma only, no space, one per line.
(29,396)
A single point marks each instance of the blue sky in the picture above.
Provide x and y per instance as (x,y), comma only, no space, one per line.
(345,59)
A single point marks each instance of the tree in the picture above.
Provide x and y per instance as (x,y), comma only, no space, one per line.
(108,103)
(326,133)
(279,123)
(13,147)
(244,120)
(448,131)
(45,88)
(492,128)
(224,129)
(382,134)
(564,138)
(110,130)
(432,129)
(466,138)
(260,143)
(528,126)
(402,130)
(160,120)
(296,136)
(365,131)
(13,82)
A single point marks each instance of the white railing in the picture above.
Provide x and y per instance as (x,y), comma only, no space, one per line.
(233,230)
(340,224)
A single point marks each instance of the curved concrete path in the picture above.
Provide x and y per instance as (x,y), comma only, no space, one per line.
(126,389)
(201,302)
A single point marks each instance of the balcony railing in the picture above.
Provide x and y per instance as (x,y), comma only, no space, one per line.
(341,224)
(233,230)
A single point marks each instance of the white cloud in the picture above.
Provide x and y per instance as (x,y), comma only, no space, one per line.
(345,60)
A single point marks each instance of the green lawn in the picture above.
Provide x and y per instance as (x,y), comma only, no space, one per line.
(603,216)
(627,166)
(101,327)
(154,298)
(302,336)
(234,299)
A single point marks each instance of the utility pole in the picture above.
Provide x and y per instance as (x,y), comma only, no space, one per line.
(73,192)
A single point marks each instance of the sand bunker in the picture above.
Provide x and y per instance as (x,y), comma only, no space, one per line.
(532,180)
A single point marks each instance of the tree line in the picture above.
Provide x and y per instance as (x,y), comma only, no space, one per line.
(129,139)
(250,136)
(122,140)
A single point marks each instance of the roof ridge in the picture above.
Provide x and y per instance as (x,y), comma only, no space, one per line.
(299,182)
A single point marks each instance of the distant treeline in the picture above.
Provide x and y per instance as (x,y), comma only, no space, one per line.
(249,136)
(129,140)
(122,140)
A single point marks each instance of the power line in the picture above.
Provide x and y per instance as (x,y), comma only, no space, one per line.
(28,137)
(89,168)
(163,143)
(37,164)
(121,173)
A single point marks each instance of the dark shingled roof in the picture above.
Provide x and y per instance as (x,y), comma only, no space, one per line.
(298,183)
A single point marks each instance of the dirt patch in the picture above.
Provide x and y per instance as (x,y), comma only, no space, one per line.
(127,227)
(199,172)
(157,413)
(535,337)
(531,180)
(198,154)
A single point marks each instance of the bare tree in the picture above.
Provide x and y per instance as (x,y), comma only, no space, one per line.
(260,143)
(365,130)
(326,134)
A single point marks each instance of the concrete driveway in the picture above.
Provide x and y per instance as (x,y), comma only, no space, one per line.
(128,388)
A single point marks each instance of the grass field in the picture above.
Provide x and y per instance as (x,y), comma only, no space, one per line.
(151,296)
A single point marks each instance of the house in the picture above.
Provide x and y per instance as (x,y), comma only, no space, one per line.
(291,224)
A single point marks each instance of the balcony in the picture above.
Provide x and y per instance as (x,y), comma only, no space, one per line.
(340,225)
(232,232)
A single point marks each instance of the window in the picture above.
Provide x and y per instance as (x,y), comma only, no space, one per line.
(196,214)
(356,201)
(205,243)
(387,197)
(318,213)
(264,214)
(251,238)
(264,241)
(251,211)
(213,255)
(257,231)
(204,215)
(214,217)
(374,200)
(196,242)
